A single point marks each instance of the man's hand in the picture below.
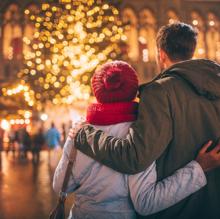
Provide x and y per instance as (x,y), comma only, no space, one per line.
(76,127)
(73,132)
(209,160)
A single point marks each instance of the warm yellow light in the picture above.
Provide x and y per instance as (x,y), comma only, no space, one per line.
(65,63)
(70,31)
(65,54)
(52,41)
(33,72)
(35,46)
(105,6)
(32,17)
(29,63)
(27,121)
(47,45)
(145,55)
(43,116)
(27,12)
(48,62)
(48,14)
(27,114)
(31,103)
(211,23)
(68,6)
(70,18)
(12,121)
(38,53)
(46,86)
(171,21)
(21,121)
(56,84)
(39,19)
(36,34)
(5,124)
(38,60)
(45,6)
(60,36)
(40,67)
(201,51)
(195,22)
(123,37)
(54,8)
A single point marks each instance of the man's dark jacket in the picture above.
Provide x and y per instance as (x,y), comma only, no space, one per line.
(178,113)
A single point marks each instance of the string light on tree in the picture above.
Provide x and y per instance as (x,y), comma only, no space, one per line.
(21,89)
(72,38)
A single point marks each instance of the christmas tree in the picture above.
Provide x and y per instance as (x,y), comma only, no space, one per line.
(72,38)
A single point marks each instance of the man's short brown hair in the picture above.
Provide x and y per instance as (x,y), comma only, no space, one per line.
(177,40)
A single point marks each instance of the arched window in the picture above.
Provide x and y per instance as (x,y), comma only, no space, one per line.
(147,35)
(129,18)
(213,37)
(29,28)
(198,22)
(12,34)
(172,16)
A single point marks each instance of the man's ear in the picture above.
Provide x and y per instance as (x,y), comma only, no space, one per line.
(165,60)
(163,56)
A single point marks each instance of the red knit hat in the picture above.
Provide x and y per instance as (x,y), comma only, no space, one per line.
(115,82)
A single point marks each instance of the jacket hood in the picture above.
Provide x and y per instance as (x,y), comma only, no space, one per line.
(203,75)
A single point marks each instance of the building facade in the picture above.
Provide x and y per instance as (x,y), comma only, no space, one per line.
(144,18)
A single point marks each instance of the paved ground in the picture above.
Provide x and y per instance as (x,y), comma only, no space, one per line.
(26,189)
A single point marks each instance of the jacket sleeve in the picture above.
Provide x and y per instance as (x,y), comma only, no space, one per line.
(146,140)
(149,196)
(61,170)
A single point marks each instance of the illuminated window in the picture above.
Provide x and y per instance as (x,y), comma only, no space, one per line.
(198,22)
(147,35)
(129,18)
(213,37)
(12,33)
(29,28)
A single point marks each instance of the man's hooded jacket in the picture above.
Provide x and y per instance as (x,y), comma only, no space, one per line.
(179,111)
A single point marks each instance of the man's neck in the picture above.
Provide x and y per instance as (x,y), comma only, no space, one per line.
(169,63)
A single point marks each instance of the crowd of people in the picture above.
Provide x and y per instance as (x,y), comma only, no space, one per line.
(21,141)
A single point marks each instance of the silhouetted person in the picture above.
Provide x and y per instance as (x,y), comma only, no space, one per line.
(38,142)
(25,142)
(13,139)
(63,134)
(53,141)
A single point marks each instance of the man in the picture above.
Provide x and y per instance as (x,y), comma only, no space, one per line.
(52,138)
(178,110)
